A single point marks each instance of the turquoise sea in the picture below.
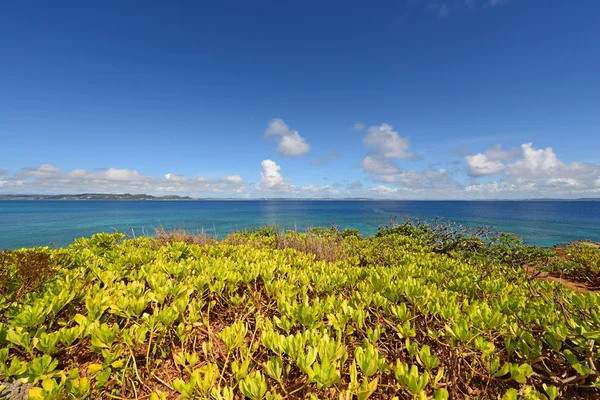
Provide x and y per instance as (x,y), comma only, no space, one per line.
(41,223)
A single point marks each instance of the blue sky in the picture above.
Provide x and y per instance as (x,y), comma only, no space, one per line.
(389,99)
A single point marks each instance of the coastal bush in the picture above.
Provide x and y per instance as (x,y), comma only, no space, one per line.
(587,257)
(24,271)
(325,248)
(164,236)
(327,244)
(393,319)
(579,264)
(475,244)
(257,239)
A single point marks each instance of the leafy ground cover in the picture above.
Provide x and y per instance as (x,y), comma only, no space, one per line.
(578,264)
(414,312)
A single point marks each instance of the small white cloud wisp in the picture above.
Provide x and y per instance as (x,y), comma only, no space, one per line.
(291,144)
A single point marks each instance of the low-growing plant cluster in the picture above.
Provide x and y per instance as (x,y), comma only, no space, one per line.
(326,244)
(471,243)
(247,317)
(579,264)
(24,271)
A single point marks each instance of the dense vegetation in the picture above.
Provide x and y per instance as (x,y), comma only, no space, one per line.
(414,312)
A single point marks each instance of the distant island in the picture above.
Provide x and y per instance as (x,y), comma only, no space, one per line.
(129,196)
(91,196)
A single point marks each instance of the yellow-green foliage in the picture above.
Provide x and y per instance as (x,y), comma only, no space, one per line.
(387,318)
(587,257)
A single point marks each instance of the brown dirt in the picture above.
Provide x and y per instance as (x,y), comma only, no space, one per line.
(578,287)
(573,282)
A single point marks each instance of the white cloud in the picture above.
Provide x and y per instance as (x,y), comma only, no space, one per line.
(535,160)
(563,181)
(321,190)
(492,187)
(527,172)
(490,162)
(379,166)
(384,145)
(174,177)
(290,142)
(385,142)
(534,172)
(480,165)
(77,174)
(270,176)
(233,178)
(383,189)
(116,174)
(436,179)
(48,179)
(44,171)
(497,153)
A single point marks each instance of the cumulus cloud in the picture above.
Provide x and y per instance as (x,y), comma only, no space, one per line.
(534,171)
(117,175)
(490,162)
(563,182)
(48,179)
(379,166)
(481,165)
(438,179)
(270,176)
(290,142)
(497,153)
(320,190)
(536,161)
(384,141)
(385,145)
(44,171)
(325,159)
(491,187)
(524,172)
(383,189)
(233,178)
(174,177)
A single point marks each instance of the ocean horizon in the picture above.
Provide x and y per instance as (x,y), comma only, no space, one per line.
(27,223)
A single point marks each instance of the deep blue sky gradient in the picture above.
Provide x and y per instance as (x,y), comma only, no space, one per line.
(188,87)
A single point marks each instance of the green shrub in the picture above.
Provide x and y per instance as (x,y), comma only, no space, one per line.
(587,257)
(320,314)
(24,271)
